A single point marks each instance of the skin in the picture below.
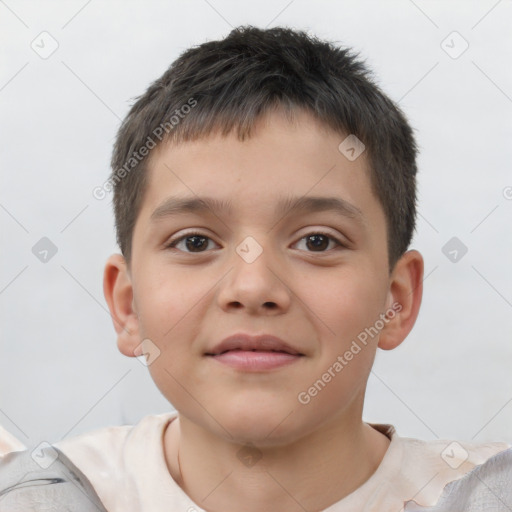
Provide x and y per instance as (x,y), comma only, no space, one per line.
(317,299)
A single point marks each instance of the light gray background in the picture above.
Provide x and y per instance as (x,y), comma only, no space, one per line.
(60,371)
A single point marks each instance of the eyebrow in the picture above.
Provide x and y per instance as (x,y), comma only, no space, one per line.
(285,205)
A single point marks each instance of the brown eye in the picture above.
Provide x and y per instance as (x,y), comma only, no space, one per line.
(319,242)
(193,242)
(196,243)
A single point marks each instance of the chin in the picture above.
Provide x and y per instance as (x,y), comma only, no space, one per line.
(263,425)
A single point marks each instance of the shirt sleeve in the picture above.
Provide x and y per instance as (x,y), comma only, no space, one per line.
(44,480)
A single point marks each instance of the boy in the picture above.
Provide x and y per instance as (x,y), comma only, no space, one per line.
(265,197)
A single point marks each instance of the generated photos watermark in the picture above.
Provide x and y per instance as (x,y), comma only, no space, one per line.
(305,397)
(159,133)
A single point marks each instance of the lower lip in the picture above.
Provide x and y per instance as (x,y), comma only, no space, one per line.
(255,361)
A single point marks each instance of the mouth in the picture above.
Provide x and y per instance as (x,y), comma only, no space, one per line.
(254,353)
(253,350)
(251,343)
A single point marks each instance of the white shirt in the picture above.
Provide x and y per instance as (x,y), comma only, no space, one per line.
(127,468)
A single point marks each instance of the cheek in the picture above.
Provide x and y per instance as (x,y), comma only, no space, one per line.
(344,305)
(345,308)
(169,308)
(166,300)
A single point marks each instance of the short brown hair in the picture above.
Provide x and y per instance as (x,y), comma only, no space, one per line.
(230,83)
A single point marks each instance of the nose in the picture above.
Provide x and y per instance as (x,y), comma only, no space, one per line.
(256,287)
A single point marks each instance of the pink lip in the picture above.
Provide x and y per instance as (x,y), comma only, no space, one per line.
(262,342)
(254,353)
(255,360)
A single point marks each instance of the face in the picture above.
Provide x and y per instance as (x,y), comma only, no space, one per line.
(315,276)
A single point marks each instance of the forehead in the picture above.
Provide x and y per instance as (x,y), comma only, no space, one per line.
(277,150)
(282,161)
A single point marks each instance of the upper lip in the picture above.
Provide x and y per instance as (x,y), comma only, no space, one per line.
(263,342)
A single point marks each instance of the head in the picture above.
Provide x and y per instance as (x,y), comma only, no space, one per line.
(263,122)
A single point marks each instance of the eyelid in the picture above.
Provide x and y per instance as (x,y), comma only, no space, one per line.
(318,230)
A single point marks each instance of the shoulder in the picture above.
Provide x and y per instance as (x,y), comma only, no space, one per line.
(442,454)
(91,471)
(112,457)
(37,481)
(450,456)
(110,447)
(421,469)
(488,486)
(9,443)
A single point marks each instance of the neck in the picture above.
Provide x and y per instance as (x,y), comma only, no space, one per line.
(310,473)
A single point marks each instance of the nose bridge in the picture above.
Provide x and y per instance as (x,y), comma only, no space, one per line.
(254,281)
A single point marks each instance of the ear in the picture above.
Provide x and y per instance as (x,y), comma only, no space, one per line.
(118,291)
(404,299)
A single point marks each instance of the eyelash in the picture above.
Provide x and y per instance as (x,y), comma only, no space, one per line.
(173,243)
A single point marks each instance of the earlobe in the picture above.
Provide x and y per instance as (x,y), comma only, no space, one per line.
(118,291)
(405,293)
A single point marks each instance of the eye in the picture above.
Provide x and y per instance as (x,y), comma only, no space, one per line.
(319,241)
(191,242)
(198,242)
